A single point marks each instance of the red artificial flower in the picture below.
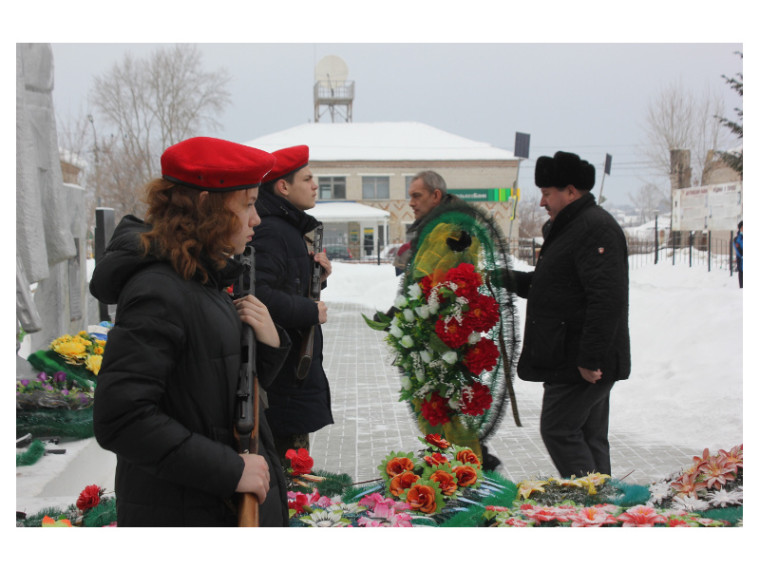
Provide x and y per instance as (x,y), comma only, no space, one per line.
(465,278)
(300,461)
(483,356)
(436,459)
(476,399)
(89,498)
(483,313)
(435,410)
(453,333)
(437,440)
(298,503)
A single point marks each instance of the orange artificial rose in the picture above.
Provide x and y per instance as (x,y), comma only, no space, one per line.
(422,498)
(466,475)
(398,465)
(402,482)
(468,456)
(445,481)
(436,459)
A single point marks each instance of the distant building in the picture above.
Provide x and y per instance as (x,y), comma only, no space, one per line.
(372,164)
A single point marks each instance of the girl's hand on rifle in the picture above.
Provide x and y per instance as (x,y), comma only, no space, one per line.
(254,313)
(321,258)
(322,312)
(255,478)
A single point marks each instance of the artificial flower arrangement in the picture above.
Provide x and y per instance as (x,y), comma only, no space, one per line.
(426,481)
(81,349)
(79,355)
(94,507)
(697,496)
(56,391)
(440,338)
(413,490)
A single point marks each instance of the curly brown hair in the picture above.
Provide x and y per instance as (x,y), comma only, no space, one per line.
(186,228)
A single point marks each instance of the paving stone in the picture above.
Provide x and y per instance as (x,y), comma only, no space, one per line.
(370,422)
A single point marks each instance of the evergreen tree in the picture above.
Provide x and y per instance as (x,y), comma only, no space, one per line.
(735,159)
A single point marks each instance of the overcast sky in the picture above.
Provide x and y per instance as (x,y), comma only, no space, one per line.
(587,98)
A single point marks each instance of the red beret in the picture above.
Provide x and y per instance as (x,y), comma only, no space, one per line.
(215,165)
(288,160)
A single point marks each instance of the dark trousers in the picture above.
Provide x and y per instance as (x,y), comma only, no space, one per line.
(574,425)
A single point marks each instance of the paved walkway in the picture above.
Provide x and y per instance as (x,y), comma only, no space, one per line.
(370,422)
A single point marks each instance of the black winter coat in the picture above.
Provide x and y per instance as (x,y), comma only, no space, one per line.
(577,309)
(164,400)
(283,275)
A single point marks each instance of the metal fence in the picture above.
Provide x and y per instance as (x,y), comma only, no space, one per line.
(695,249)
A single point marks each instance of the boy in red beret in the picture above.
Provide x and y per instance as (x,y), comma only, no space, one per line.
(283,274)
(166,389)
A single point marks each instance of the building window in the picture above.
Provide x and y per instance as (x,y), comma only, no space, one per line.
(408,182)
(376,187)
(332,187)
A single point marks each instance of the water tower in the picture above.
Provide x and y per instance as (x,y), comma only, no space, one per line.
(331,91)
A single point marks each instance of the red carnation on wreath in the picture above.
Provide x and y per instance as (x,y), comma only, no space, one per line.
(483,313)
(453,333)
(465,278)
(483,356)
(89,498)
(435,410)
(476,399)
(301,462)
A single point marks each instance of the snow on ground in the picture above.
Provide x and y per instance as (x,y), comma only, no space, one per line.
(686,383)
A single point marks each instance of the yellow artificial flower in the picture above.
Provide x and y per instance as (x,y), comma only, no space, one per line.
(525,488)
(70,349)
(93,363)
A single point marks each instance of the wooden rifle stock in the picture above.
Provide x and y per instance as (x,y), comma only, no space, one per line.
(247,395)
(315,288)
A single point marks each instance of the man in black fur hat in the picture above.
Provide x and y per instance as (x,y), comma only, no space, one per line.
(576,326)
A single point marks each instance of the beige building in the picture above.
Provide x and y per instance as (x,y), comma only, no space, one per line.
(372,164)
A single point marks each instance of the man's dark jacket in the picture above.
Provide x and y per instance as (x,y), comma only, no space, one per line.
(283,275)
(577,309)
(165,394)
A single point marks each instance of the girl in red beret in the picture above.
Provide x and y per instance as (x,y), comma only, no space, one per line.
(166,390)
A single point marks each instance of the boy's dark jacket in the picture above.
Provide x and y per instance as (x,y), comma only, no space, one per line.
(283,275)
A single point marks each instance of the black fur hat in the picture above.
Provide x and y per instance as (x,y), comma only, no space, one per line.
(564,169)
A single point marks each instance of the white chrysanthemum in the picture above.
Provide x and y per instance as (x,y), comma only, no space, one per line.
(408,316)
(414,291)
(400,302)
(724,498)
(326,518)
(395,331)
(689,503)
(407,341)
(425,356)
(659,492)
(406,382)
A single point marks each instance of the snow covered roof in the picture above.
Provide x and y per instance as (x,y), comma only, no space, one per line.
(347,212)
(381,141)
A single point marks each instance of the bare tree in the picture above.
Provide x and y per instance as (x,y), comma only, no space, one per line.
(143,106)
(681,119)
(648,199)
